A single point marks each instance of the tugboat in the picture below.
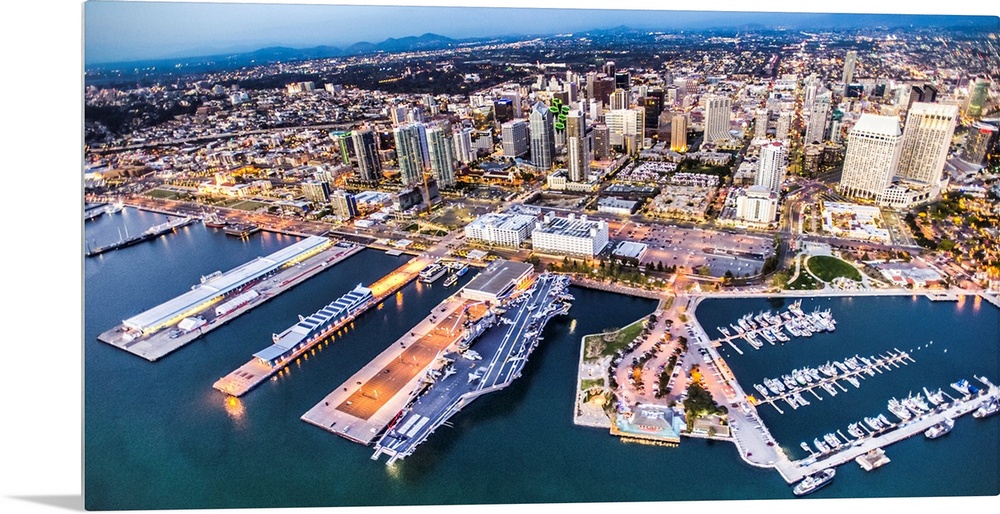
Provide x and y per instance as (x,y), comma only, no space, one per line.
(814,482)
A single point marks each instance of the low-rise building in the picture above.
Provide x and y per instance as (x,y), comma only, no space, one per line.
(508,230)
(570,236)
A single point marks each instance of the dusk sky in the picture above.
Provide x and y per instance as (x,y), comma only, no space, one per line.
(117,31)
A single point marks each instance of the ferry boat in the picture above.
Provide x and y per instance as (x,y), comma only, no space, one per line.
(940,429)
(241,230)
(432,273)
(814,482)
(451,280)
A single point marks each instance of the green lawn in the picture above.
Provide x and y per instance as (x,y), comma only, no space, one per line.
(828,268)
(805,281)
(162,194)
(587,383)
(607,343)
(247,205)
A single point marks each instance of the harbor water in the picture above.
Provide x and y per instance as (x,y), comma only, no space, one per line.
(158,436)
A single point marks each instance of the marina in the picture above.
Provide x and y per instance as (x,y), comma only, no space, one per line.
(776,328)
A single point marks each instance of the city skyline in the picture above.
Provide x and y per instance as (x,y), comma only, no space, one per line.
(182,30)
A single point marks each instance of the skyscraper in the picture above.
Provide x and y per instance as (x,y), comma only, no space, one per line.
(760,123)
(678,133)
(623,80)
(850,62)
(717,111)
(873,147)
(982,138)
(771,166)
(542,135)
(366,151)
(926,138)
(602,144)
(462,141)
(442,154)
(653,102)
(818,114)
(514,136)
(783,128)
(577,147)
(621,123)
(619,99)
(409,154)
(977,99)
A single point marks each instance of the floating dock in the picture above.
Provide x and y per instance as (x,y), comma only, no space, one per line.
(167,327)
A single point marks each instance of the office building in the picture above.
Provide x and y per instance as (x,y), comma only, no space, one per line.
(577,146)
(980,141)
(926,139)
(602,143)
(514,136)
(850,63)
(873,147)
(818,115)
(619,100)
(541,133)
(366,150)
(678,133)
(978,97)
(570,236)
(757,205)
(717,112)
(772,166)
(783,129)
(621,123)
(760,123)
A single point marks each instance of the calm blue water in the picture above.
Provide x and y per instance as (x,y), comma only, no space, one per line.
(158,436)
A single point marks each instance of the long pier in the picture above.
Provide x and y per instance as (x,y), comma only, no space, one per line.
(157,344)
(151,233)
(254,372)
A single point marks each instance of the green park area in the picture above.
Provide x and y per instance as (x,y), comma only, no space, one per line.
(609,342)
(828,268)
(163,194)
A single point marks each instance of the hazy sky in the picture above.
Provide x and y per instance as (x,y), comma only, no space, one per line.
(121,31)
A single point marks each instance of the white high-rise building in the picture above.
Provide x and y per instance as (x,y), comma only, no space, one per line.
(850,62)
(514,135)
(462,141)
(757,204)
(619,99)
(772,166)
(818,114)
(783,128)
(718,109)
(760,124)
(873,147)
(926,139)
(621,123)
(442,154)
